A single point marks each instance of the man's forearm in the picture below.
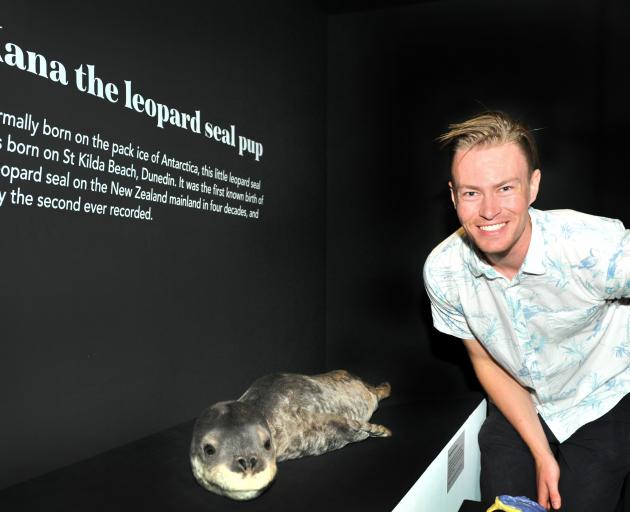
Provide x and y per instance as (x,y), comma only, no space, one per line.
(512,399)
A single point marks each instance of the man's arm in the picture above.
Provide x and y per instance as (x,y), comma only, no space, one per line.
(514,401)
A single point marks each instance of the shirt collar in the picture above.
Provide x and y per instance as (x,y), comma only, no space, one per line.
(534,261)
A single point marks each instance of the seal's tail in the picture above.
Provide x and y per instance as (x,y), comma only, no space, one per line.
(383,390)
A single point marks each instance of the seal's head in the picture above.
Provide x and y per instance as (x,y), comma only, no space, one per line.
(232,451)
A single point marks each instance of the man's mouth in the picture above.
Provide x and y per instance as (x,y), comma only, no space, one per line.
(492,227)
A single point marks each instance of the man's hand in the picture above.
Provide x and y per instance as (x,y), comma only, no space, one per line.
(547,478)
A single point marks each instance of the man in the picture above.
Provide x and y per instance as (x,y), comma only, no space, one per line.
(535,297)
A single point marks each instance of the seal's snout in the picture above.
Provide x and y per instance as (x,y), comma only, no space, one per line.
(246,464)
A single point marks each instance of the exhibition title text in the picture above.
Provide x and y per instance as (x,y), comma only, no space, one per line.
(87,81)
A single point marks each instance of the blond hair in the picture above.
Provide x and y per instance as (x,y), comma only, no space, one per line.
(492,129)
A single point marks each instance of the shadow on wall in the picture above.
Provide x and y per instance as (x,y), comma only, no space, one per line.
(447,349)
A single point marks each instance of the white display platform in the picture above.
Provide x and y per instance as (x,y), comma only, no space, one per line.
(432,491)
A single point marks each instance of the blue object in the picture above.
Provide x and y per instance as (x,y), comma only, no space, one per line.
(515,504)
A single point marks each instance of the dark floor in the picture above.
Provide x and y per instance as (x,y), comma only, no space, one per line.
(153,474)
(472,506)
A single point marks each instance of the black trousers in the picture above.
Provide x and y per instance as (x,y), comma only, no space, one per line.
(594,461)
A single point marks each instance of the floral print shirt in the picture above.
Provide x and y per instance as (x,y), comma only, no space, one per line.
(560,326)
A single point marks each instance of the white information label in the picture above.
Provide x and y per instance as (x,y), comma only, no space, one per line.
(455,461)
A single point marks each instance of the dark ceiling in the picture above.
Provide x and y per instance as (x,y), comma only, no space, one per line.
(338,6)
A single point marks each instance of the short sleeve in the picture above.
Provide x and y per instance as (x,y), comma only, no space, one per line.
(597,253)
(618,266)
(446,309)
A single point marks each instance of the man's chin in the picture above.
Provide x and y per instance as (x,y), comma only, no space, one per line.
(491,251)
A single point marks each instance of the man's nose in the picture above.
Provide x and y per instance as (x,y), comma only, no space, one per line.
(490,207)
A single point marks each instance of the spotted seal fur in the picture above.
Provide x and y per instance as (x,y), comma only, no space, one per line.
(236,444)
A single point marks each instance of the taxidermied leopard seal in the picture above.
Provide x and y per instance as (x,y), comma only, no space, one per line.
(235,444)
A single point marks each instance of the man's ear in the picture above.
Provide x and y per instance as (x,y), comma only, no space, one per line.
(534,184)
(450,187)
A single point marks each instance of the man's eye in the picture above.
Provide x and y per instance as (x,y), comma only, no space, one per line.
(507,188)
(469,193)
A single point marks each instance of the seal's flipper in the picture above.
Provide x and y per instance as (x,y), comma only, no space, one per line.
(320,433)
(379,430)
(371,429)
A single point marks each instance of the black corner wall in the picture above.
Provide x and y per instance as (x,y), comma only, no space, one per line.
(396,78)
(113,328)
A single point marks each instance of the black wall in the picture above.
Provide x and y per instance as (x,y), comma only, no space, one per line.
(396,78)
(115,328)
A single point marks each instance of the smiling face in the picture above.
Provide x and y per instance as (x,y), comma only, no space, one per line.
(492,190)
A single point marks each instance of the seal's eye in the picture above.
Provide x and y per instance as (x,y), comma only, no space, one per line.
(268,444)
(208,449)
